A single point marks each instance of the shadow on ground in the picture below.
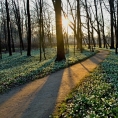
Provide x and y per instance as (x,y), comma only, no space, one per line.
(39,98)
(35,100)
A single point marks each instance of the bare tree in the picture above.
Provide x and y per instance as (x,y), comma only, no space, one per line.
(16,11)
(111,3)
(73,25)
(88,22)
(28,30)
(98,28)
(0,43)
(76,24)
(12,40)
(40,22)
(103,29)
(48,26)
(4,25)
(92,30)
(41,29)
(8,28)
(79,31)
(59,35)
(116,49)
(25,13)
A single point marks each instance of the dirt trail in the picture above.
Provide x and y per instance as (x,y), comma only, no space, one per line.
(39,98)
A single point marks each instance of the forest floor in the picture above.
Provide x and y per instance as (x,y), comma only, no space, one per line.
(40,98)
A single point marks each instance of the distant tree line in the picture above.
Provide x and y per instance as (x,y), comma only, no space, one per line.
(24,21)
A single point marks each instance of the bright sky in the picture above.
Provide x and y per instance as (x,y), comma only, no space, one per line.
(65,21)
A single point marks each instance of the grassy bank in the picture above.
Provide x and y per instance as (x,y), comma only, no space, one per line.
(96,96)
(19,69)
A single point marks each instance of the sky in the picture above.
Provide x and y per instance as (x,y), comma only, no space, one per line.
(65,21)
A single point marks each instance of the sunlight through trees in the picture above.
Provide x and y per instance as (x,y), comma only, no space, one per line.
(26,25)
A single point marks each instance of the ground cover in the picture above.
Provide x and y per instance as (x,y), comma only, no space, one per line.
(19,69)
(96,96)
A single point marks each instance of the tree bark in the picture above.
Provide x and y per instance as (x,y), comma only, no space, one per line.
(4,26)
(18,23)
(88,25)
(111,3)
(8,28)
(99,37)
(104,38)
(79,32)
(0,47)
(116,49)
(92,31)
(12,40)
(29,31)
(59,35)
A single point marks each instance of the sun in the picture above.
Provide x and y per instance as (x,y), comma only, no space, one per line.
(65,22)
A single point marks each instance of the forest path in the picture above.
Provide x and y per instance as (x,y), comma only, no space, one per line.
(38,99)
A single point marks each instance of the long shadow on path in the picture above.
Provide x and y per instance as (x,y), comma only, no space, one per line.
(39,98)
(35,100)
(45,99)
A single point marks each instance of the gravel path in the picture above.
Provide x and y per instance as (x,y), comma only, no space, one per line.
(39,98)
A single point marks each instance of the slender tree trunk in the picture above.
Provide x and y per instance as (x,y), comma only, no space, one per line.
(104,38)
(67,43)
(16,10)
(99,37)
(94,44)
(74,25)
(8,28)
(29,31)
(40,24)
(25,15)
(116,49)
(111,2)
(4,27)
(43,40)
(88,25)
(0,47)
(12,40)
(92,31)
(5,35)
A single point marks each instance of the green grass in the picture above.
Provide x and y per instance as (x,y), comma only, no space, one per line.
(19,69)
(96,96)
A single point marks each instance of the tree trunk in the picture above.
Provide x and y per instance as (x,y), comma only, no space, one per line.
(4,26)
(18,23)
(43,40)
(88,26)
(92,31)
(116,50)
(79,32)
(8,28)
(25,13)
(0,48)
(59,35)
(29,31)
(104,38)
(40,30)
(99,37)
(12,40)
(111,3)
(5,35)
